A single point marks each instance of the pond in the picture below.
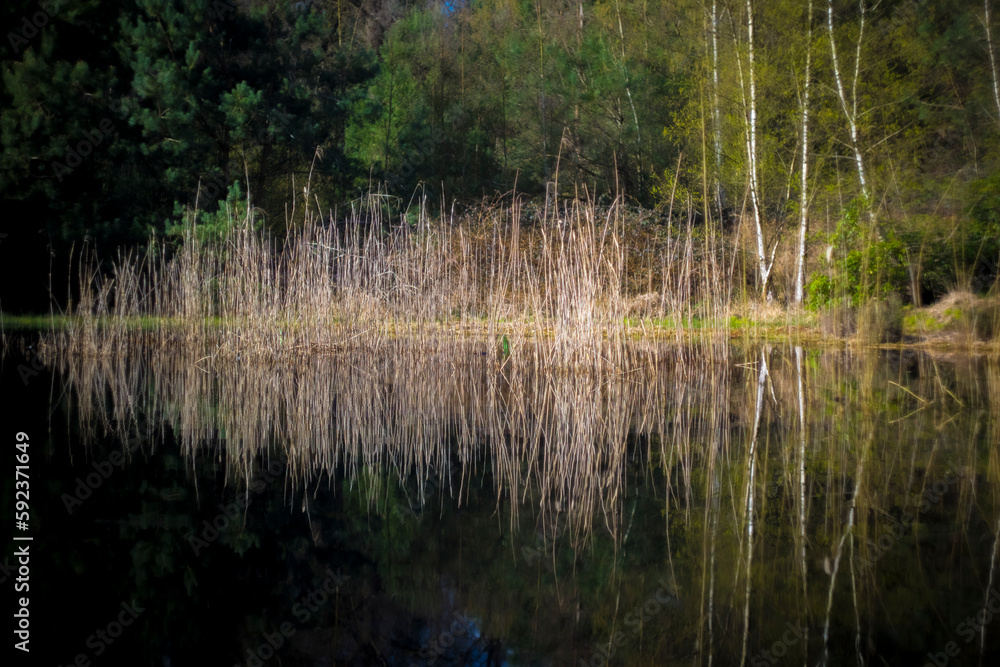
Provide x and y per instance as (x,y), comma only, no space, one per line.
(714,503)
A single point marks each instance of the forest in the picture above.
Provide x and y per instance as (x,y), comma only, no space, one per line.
(858,134)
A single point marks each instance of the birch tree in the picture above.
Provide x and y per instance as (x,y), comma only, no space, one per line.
(804,198)
(748,87)
(993,64)
(849,107)
(716,116)
(628,89)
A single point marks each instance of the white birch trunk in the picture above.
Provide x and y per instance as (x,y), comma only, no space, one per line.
(751,484)
(848,534)
(989,591)
(802,474)
(750,109)
(764,266)
(993,64)
(716,122)
(628,88)
(800,276)
(850,110)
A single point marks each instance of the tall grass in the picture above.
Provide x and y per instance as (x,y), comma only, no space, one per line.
(365,280)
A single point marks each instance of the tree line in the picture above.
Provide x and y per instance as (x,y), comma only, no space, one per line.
(870,127)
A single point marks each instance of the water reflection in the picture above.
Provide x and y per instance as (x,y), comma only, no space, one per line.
(454,505)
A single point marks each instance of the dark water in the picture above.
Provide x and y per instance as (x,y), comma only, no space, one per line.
(710,505)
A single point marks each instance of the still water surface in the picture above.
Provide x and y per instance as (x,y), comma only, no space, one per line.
(719,504)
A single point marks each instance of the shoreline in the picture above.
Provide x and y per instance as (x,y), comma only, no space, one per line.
(161,332)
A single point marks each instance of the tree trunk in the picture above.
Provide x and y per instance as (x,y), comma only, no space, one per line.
(850,111)
(993,64)
(628,87)
(716,122)
(762,260)
(800,276)
(750,108)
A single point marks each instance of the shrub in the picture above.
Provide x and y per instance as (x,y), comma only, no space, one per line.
(962,250)
(230,214)
(819,291)
(867,267)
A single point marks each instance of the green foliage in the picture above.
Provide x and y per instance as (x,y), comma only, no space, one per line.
(981,248)
(494,91)
(390,126)
(819,291)
(115,111)
(218,225)
(960,251)
(865,266)
(60,130)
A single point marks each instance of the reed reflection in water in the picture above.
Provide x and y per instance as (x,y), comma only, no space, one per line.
(807,506)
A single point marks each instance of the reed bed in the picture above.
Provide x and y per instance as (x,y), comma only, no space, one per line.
(363,281)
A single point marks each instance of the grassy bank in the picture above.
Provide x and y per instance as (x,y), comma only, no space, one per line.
(936,326)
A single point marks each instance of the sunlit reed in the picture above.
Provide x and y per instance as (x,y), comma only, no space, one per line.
(365,281)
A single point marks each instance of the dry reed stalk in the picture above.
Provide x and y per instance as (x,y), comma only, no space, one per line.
(367,281)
